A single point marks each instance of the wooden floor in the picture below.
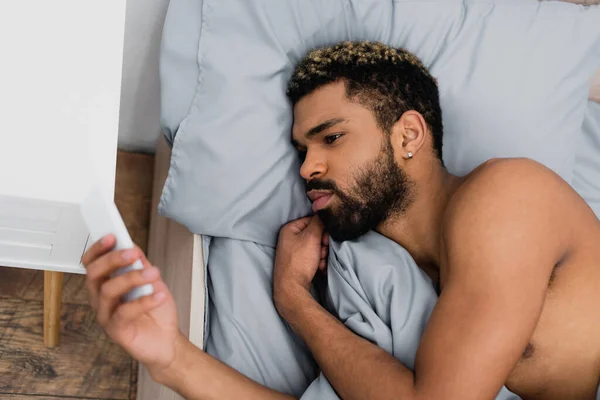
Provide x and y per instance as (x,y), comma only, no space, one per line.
(85,365)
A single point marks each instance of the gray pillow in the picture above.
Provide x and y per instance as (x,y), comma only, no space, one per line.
(514,79)
(586,176)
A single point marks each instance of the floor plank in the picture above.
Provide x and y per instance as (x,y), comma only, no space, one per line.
(28,284)
(14,282)
(85,365)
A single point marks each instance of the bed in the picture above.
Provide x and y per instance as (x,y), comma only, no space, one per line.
(183,255)
(179,254)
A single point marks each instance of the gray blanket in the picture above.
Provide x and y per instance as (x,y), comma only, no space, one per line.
(373,286)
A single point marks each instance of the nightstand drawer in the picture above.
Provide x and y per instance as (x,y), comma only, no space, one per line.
(26,236)
(41,234)
(31,252)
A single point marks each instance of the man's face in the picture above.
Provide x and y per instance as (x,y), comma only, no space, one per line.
(349,166)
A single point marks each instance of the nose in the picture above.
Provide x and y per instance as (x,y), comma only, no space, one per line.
(313,166)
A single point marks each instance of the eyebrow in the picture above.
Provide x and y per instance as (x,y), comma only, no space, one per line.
(323,126)
(320,128)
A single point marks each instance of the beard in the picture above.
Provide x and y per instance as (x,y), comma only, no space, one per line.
(381,190)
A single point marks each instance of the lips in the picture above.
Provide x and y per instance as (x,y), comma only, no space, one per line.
(319,199)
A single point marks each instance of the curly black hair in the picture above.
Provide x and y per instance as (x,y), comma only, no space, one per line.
(389,81)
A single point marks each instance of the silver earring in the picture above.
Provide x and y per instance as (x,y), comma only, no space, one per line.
(409,154)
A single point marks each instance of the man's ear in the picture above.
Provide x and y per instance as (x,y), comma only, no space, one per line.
(409,134)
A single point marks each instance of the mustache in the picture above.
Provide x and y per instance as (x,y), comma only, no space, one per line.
(322,185)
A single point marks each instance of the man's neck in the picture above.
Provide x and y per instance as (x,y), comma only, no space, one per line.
(418,229)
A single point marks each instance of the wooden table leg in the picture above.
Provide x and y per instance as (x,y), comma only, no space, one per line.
(53,284)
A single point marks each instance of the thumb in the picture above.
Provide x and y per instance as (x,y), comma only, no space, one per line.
(299,224)
(315,226)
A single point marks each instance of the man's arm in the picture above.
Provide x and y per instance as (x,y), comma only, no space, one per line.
(148,328)
(356,368)
(502,240)
(196,375)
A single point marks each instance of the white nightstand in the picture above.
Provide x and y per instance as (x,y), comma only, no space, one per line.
(60,85)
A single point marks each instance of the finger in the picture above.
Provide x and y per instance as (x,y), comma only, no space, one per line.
(323,252)
(325,240)
(97,249)
(113,289)
(143,258)
(100,269)
(127,312)
(315,226)
(300,224)
(108,263)
(322,265)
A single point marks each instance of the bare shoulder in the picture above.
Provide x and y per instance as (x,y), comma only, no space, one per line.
(510,203)
(509,183)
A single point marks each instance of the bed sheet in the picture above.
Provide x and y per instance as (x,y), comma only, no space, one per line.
(372,285)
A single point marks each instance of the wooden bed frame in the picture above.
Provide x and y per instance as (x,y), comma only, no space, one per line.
(178,254)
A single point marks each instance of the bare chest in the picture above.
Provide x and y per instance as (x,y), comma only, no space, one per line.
(562,359)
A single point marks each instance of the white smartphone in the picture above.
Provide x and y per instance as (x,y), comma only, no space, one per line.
(102,218)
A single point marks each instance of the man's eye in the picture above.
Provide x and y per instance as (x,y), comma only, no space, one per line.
(332,138)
